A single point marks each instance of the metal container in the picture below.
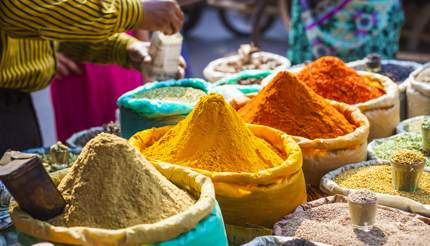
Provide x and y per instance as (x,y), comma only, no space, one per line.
(32,188)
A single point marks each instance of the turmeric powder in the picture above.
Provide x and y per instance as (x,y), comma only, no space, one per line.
(289,105)
(214,138)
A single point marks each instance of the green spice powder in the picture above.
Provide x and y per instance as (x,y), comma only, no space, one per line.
(173,93)
(378,179)
(410,141)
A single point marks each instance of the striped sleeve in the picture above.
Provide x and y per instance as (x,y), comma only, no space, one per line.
(112,50)
(68,20)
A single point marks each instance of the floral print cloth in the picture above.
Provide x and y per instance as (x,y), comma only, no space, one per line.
(349,29)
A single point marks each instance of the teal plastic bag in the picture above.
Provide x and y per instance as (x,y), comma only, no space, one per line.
(138,114)
(209,231)
(247,74)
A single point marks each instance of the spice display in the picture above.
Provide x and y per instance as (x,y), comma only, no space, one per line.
(332,79)
(330,224)
(411,141)
(407,168)
(424,76)
(111,127)
(250,58)
(289,105)
(111,186)
(362,209)
(378,179)
(213,137)
(179,94)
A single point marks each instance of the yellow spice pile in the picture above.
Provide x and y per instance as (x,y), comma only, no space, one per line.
(213,137)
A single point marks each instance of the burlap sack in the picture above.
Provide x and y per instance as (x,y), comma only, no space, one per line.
(418,94)
(329,186)
(252,199)
(170,229)
(323,155)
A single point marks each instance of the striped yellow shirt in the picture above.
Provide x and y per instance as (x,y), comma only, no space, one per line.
(85,30)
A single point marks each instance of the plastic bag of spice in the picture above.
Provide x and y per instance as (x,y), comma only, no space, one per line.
(201,224)
(396,70)
(323,155)
(252,199)
(146,107)
(247,81)
(418,93)
(382,182)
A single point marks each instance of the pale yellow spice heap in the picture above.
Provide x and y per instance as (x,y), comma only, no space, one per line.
(111,186)
(214,138)
(378,179)
(407,157)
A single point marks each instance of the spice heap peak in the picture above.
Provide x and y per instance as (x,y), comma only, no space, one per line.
(111,186)
(289,105)
(331,78)
(214,138)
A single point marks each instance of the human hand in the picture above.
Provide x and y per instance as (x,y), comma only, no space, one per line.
(65,67)
(138,54)
(161,15)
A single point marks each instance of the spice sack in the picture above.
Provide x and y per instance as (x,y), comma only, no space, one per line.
(380,170)
(329,133)
(116,197)
(138,113)
(383,112)
(256,170)
(418,92)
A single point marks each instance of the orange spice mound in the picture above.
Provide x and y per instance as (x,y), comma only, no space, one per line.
(289,105)
(332,79)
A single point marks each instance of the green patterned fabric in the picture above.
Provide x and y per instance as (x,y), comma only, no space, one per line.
(349,29)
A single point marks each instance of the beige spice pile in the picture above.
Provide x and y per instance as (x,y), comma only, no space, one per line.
(331,224)
(111,186)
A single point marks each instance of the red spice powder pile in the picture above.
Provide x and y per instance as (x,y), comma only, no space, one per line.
(332,79)
(289,105)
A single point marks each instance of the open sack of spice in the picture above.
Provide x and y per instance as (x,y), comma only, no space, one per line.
(248,57)
(248,81)
(398,71)
(159,104)
(328,221)
(384,148)
(377,176)
(330,134)
(116,197)
(418,92)
(256,170)
(377,96)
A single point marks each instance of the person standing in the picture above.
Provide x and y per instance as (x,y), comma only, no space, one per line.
(88,30)
(348,29)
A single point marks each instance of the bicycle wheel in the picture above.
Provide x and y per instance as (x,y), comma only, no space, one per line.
(241,24)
